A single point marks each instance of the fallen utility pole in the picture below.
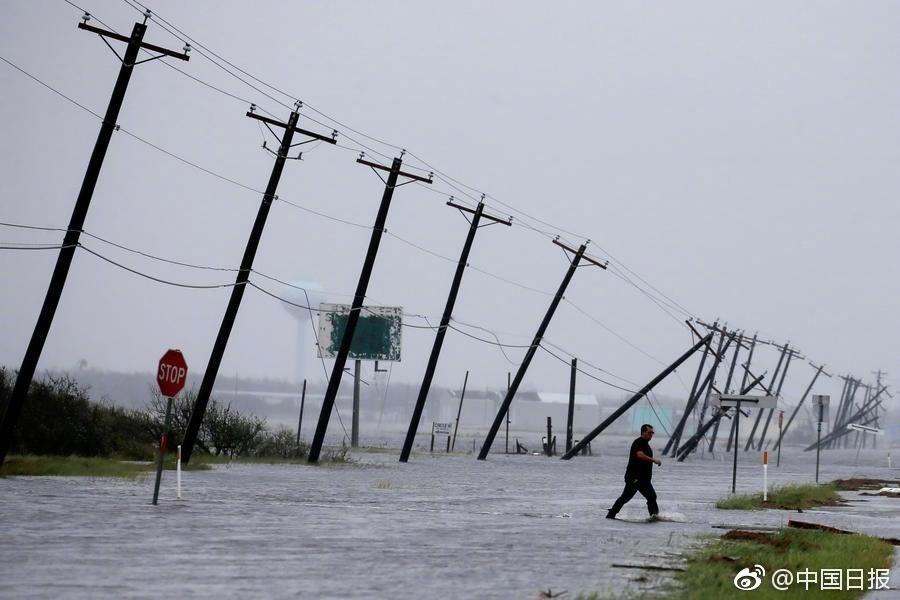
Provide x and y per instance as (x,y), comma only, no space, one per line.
(717,358)
(851,405)
(334,382)
(752,435)
(840,406)
(746,366)
(243,275)
(762,437)
(836,433)
(692,443)
(634,399)
(846,406)
(19,395)
(819,371)
(578,255)
(477,215)
(706,351)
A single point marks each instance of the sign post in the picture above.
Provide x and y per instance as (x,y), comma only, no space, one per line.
(821,402)
(735,400)
(170,375)
(440,429)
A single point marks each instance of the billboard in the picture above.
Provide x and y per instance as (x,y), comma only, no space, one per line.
(377,335)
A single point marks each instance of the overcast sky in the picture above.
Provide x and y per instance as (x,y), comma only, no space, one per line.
(742,158)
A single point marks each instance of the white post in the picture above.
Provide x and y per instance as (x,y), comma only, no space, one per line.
(765,476)
(178,470)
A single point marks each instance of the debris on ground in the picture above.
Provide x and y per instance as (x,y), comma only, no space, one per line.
(759,537)
(856,484)
(828,528)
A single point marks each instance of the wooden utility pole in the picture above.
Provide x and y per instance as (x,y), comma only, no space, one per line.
(762,437)
(820,370)
(727,388)
(243,275)
(677,433)
(477,215)
(731,435)
(768,393)
(578,255)
(571,415)
(340,360)
(459,411)
(631,401)
(71,239)
(302,402)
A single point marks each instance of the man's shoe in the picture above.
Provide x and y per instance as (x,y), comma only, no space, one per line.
(610,515)
(655,517)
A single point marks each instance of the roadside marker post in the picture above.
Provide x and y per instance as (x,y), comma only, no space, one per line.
(178,471)
(780,436)
(765,476)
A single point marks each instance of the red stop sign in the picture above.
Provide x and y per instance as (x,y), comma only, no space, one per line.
(172,373)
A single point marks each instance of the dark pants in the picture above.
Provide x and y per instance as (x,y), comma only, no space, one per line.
(633,486)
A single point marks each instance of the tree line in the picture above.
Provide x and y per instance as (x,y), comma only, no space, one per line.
(60,419)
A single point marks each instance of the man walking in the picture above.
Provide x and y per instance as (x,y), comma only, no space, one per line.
(638,474)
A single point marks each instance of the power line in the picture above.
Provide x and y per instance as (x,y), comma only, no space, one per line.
(455,183)
(151,277)
(610,330)
(582,371)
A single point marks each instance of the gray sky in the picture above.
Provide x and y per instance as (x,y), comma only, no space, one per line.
(740,157)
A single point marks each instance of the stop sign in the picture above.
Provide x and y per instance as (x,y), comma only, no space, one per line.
(172,373)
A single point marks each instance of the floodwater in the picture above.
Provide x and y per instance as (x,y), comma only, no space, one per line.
(441,526)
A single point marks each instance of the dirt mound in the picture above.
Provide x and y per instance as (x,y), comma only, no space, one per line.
(852,485)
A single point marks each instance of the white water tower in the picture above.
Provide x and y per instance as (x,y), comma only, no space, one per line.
(304,294)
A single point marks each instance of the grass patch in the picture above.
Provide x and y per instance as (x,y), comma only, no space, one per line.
(789,497)
(81,466)
(71,466)
(711,571)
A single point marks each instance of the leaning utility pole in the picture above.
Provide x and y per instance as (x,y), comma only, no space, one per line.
(838,432)
(768,393)
(73,233)
(633,400)
(727,388)
(691,444)
(477,215)
(743,383)
(362,286)
(706,351)
(529,355)
(243,275)
(717,358)
(571,416)
(819,371)
(762,437)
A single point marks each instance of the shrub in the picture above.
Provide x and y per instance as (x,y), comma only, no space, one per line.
(58,418)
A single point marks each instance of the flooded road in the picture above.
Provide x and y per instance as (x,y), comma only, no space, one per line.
(439,526)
